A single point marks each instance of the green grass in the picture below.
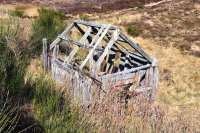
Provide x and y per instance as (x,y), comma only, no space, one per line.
(53,109)
(7,122)
(133,31)
(84,17)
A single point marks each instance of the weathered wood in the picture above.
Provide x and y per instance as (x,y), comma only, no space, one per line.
(127,71)
(136,47)
(131,55)
(114,65)
(83,87)
(55,42)
(89,38)
(74,51)
(45,55)
(155,76)
(96,44)
(93,24)
(114,38)
(55,52)
(77,43)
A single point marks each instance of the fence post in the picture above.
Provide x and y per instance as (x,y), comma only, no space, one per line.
(155,78)
(45,54)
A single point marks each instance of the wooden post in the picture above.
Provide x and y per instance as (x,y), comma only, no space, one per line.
(45,54)
(154,78)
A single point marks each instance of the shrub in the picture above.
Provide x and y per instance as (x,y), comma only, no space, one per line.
(53,109)
(12,59)
(84,17)
(18,12)
(133,31)
(48,25)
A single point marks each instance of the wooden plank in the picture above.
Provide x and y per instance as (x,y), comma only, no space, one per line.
(77,43)
(89,38)
(118,77)
(55,42)
(108,35)
(123,51)
(155,75)
(55,52)
(127,71)
(136,47)
(92,24)
(74,51)
(113,39)
(97,36)
(95,45)
(45,55)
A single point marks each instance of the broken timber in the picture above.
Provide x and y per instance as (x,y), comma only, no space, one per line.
(96,58)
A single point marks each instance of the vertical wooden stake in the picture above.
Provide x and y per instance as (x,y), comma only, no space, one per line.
(155,79)
(45,54)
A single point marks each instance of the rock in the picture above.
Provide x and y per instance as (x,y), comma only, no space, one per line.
(195,48)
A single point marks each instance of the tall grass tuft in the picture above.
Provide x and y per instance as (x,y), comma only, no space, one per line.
(8,114)
(7,121)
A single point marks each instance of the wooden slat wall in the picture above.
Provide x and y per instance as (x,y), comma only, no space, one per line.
(83,88)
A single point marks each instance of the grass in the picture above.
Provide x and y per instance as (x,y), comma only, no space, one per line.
(18,12)
(84,17)
(133,31)
(179,75)
(7,121)
(53,108)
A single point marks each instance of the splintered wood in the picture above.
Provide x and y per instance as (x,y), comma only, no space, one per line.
(97,59)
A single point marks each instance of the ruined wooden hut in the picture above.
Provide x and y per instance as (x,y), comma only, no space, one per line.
(96,59)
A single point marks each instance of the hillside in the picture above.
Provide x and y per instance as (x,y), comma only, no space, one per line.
(87,6)
(169,31)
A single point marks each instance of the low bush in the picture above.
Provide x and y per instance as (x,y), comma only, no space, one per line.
(48,25)
(133,31)
(18,12)
(84,17)
(53,108)
(12,58)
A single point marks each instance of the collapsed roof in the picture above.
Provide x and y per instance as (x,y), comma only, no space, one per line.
(104,53)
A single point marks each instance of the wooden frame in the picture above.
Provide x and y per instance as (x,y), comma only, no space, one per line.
(109,61)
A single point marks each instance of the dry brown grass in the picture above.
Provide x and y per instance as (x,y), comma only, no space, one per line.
(179,75)
(30,11)
(142,116)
